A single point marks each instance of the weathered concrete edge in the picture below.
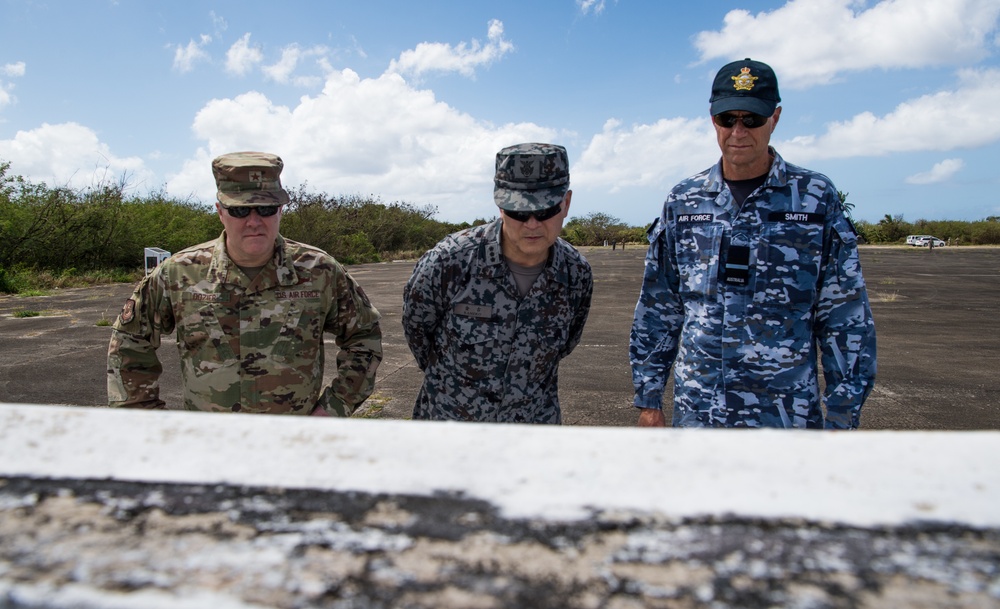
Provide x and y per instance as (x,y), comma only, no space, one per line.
(555,474)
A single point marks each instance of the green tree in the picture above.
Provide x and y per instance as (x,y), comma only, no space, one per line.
(848,207)
(893,228)
(594,229)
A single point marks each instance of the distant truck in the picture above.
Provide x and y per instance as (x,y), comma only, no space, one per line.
(925,241)
(915,239)
(931,242)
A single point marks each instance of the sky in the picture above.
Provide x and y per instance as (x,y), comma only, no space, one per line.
(896,101)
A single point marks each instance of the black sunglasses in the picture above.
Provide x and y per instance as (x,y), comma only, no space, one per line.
(264,211)
(541,215)
(727,120)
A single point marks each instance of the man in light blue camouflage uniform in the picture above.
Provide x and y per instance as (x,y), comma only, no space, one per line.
(250,309)
(490,311)
(752,276)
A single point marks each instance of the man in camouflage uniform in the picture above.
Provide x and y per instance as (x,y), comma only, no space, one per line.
(490,311)
(250,309)
(752,276)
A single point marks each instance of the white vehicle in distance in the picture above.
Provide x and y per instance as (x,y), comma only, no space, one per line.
(929,242)
(913,239)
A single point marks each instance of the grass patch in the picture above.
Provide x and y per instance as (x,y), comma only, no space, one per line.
(884,297)
(25,281)
(372,408)
(26,313)
(887,281)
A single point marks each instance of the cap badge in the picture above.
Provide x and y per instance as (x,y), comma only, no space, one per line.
(256,176)
(744,82)
(527,168)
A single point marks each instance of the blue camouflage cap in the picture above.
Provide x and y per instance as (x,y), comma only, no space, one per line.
(249,179)
(531,177)
(746,85)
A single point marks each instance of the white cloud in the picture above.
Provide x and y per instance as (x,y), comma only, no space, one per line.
(586,6)
(362,136)
(218,23)
(282,71)
(186,56)
(941,172)
(241,57)
(357,48)
(656,155)
(946,120)
(70,155)
(810,42)
(463,58)
(13,69)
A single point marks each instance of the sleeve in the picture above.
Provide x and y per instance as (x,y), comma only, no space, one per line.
(844,329)
(422,308)
(133,368)
(658,320)
(584,293)
(355,325)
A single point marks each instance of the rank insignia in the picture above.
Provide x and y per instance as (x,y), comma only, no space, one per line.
(744,82)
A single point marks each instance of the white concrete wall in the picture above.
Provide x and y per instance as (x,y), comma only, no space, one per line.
(575,516)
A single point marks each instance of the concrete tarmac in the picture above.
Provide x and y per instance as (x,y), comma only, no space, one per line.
(935,314)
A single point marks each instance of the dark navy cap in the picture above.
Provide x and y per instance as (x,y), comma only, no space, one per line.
(746,85)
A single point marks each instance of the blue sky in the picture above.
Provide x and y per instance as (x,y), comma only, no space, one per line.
(896,101)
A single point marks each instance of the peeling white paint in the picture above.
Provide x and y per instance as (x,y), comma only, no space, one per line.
(859,478)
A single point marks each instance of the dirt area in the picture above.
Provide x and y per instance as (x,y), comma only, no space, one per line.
(935,314)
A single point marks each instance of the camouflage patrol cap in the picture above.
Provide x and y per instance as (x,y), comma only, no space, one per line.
(531,177)
(249,179)
(746,85)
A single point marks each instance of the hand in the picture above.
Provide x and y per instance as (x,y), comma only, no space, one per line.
(651,417)
(319,411)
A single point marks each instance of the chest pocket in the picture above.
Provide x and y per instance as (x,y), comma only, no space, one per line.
(697,251)
(788,263)
(548,345)
(200,334)
(299,331)
(471,347)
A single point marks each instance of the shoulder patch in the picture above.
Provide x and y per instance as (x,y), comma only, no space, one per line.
(128,311)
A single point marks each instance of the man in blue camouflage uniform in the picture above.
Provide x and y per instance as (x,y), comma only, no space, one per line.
(752,277)
(490,311)
(250,309)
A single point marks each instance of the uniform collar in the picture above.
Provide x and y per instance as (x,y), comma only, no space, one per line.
(495,265)
(278,271)
(492,250)
(776,177)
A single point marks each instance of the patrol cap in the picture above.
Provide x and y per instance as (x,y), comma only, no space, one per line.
(746,85)
(249,179)
(531,177)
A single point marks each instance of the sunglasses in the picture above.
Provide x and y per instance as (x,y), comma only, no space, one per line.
(727,120)
(541,215)
(264,211)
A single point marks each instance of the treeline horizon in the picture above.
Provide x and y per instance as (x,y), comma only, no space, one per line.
(61,237)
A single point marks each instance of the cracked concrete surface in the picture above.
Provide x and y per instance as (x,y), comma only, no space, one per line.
(94,543)
(117,509)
